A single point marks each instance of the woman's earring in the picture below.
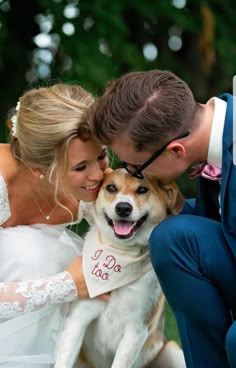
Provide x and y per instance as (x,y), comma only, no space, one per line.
(41,176)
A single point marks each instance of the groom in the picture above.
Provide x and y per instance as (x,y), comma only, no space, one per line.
(153,123)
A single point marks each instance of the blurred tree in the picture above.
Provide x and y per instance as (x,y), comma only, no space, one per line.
(91,42)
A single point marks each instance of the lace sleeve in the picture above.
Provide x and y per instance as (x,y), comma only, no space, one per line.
(18,298)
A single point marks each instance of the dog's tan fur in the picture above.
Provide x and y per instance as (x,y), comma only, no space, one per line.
(128,331)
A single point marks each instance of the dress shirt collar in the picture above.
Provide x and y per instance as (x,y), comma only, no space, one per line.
(215,145)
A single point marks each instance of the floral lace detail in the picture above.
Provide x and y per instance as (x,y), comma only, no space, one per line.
(5,212)
(27,296)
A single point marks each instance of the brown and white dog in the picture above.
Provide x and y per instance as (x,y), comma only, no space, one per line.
(127,331)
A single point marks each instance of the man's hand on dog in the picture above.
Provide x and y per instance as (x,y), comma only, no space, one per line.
(76,271)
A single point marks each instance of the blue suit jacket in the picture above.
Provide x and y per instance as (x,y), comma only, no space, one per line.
(206,203)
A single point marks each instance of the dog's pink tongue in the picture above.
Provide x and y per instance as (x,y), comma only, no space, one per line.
(123,228)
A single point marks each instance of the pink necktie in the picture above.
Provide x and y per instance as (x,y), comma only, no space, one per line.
(207,171)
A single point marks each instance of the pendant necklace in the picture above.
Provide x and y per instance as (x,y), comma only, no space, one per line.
(47,217)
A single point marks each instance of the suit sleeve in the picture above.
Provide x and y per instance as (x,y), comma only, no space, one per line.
(189,207)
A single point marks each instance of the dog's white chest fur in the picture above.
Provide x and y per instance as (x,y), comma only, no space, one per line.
(117,328)
(121,328)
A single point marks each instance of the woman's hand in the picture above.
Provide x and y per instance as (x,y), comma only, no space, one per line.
(76,271)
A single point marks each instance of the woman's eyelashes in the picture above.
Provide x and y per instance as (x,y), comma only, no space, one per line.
(103,155)
(80,168)
(83,165)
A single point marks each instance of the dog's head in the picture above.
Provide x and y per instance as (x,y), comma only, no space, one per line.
(127,208)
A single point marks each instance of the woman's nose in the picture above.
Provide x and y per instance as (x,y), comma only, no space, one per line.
(97,173)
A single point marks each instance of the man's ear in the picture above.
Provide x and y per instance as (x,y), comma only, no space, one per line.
(176,149)
(175,198)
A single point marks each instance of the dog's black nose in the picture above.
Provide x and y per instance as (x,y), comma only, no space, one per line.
(123,209)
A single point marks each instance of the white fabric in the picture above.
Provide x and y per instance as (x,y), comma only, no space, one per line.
(5,212)
(34,252)
(34,289)
(215,148)
(13,300)
(18,298)
(215,145)
(107,268)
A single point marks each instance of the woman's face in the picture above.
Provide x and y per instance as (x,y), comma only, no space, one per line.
(87,162)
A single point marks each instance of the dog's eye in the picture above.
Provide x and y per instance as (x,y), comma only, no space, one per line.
(111,188)
(142,190)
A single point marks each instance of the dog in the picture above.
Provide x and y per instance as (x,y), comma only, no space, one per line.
(128,330)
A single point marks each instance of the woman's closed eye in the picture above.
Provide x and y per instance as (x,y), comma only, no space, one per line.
(80,167)
(103,155)
(84,165)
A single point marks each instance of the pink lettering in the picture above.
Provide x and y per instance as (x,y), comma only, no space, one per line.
(111,262)
(98,273)
(95,267)
(105,277)
(117,268)
(97,254)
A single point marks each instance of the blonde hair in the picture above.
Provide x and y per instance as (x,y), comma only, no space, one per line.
(47,120)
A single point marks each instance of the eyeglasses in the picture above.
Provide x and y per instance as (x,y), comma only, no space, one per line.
(137,171)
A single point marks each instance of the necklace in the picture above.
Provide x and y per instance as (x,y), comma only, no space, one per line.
(47,217)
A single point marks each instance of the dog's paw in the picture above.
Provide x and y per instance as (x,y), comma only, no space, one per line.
(171,356)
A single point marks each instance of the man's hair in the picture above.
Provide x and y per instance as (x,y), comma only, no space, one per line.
(150,108)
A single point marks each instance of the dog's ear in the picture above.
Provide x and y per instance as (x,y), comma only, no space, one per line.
(108,170)
(175,198)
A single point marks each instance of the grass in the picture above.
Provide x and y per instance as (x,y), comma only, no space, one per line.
(171,329)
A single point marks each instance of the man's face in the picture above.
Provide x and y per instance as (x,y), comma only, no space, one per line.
(166,167)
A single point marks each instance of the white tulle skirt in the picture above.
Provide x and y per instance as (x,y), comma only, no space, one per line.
(32,252)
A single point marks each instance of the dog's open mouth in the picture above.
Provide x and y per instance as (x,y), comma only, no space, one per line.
(124,229)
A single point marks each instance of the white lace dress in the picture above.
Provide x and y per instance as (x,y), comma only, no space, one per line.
(32,312)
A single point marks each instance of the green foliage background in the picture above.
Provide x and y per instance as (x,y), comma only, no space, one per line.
(108,41)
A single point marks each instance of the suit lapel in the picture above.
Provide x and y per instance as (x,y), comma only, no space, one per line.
(208,194)
(228,179)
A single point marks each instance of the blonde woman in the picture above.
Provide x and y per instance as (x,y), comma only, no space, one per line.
(51,164)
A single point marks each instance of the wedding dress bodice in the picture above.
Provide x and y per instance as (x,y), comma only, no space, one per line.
(5,212)
(26,296)
(34,288)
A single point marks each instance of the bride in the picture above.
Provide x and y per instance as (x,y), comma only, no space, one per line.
(48,172)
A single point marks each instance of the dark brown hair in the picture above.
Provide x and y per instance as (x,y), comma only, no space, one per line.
(150,108)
